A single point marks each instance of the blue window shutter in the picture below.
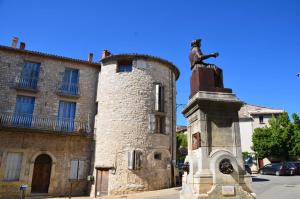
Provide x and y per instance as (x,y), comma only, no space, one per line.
(72,112)
(61,109)
(24,111)
(70,81)
(66,115)
(25,104)
(67,75)
(30,74)
(74,78)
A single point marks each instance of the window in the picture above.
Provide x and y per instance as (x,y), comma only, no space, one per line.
(24,110)
(160,124)
(134,160)
(124,66)
(77,170)
(261,119)
(157,156)
(66,115)
(29,75)
(69,83)
(159,98)
(13,166)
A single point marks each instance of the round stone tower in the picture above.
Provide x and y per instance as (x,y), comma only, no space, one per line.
(135,124)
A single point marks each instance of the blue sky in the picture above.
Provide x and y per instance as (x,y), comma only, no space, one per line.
(258,41)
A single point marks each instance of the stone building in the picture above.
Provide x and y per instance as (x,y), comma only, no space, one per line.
(63,119)
(47,108)
(250,118)
(135,124)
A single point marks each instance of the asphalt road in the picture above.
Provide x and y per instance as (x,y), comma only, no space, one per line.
(276,187)
(265,187)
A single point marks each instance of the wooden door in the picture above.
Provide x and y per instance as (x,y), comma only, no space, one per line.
(41,174)
(102,183)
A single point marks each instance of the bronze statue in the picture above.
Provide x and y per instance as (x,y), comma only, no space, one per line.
(197,57)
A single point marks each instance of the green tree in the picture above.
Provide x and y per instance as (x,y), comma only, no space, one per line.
(295,139)
(181,140)
(278,139)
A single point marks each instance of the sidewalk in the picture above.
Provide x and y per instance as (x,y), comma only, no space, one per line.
(172,193)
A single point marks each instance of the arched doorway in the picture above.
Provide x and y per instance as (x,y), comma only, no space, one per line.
(41,174)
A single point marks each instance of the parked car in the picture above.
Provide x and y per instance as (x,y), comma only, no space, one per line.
(276,169)
(294,166)
(247,169)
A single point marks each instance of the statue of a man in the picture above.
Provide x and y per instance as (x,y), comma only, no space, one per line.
(197,57)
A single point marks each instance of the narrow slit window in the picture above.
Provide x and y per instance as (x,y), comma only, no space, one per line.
(160,124)
(159,98)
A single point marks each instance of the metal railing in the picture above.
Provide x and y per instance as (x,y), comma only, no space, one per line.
(22,82)
(68,89)
(39,122)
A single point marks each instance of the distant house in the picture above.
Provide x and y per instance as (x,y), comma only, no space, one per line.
(181,129)
(252,117)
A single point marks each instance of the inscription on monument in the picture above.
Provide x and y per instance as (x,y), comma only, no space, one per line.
(227,190)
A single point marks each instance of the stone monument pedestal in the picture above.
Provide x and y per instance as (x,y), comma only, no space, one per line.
(213,141)
(214,161)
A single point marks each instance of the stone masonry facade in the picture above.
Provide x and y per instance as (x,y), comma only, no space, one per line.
(115,114)
(61,147)
(126,122)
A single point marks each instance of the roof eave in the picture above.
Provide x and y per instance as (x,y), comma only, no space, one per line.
(142,56)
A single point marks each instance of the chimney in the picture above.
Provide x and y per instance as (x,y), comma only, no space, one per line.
(90,57)
(22,45)
(14,42)
(105,53)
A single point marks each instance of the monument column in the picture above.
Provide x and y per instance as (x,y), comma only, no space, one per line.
(214,164)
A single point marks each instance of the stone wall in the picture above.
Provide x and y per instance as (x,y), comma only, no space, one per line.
(61,148)
(51,74)
(125,121)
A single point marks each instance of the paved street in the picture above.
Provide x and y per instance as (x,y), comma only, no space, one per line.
(265,186)
(277,187)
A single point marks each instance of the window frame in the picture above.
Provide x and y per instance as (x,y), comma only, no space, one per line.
(79,175)
(261,119)
(8,167)
(29,78)
(67,86)
(124,66)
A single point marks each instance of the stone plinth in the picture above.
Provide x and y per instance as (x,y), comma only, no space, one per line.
(207,79)
(215,116)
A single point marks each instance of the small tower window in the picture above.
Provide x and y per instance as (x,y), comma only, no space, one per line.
(124,66)
(157,156)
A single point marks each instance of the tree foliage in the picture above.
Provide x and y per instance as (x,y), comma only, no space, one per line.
(280,138)
(181,140)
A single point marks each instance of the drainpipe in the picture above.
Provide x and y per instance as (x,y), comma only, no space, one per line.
(172,131)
